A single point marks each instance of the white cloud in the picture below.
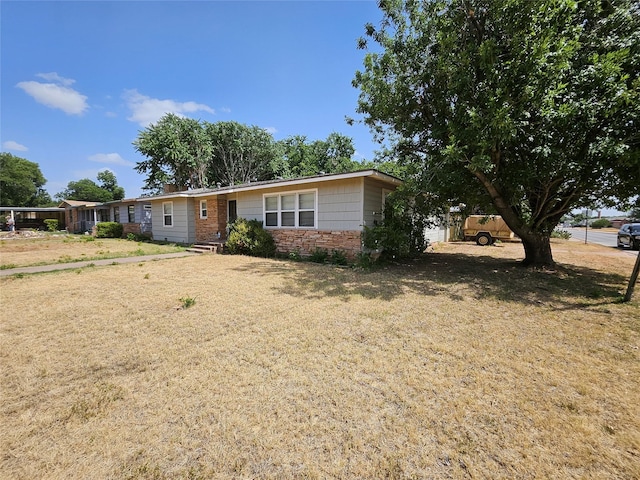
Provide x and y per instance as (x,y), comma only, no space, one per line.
(54,77)
(11,145)
(225,110)
(56,95)
(111,159)
(270,130)
(146,110)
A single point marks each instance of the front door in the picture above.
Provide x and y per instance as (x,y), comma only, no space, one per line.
(233,211)
(232,214)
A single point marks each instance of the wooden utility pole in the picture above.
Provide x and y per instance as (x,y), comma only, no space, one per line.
(633,279)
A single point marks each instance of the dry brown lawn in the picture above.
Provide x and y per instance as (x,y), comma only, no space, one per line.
(461,365)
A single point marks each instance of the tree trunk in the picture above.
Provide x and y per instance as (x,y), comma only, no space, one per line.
(537,246)
(537,251)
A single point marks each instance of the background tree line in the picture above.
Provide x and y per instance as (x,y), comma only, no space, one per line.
(192,154)
(22,182)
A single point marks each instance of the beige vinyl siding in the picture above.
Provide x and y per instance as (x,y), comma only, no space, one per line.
(249,205)
(339,204)
(373,201)
(183,228)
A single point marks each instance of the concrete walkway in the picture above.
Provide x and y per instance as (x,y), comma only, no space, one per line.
(109,261)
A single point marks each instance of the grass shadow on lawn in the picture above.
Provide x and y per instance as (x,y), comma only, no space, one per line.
(457,275)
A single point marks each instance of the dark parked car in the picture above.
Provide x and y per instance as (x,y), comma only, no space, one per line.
(629,236)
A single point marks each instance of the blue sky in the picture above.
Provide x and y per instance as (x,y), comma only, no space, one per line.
(80,79)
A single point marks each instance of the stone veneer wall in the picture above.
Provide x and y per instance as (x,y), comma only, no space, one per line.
(306,241)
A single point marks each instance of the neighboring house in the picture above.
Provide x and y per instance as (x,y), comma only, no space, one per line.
(32,217)
(133,214)
(326,211)
(438,232)
(618,222)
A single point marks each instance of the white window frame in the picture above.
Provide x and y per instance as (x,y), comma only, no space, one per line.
(203,210)
(296,209)
(167,215)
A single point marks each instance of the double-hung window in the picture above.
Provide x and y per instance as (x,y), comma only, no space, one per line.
(203,209)
(167,213)
(131,213)
(293,210)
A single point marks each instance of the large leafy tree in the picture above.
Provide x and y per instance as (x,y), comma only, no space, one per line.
(527,107)
(303,158)
(190,153)
(334,155)
(88,190)
(177,151)
(21,183)
(109,182)
(195,154)
(239,153)
(297,157)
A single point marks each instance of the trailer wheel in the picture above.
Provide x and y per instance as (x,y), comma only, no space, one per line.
(484,239)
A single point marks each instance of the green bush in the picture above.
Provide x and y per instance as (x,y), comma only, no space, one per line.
(400,233)
(247,237)
(295,255)
(601,223)
(338,257)
(319,255)
(564,234)
(52,224)
(365,261)
(109,230)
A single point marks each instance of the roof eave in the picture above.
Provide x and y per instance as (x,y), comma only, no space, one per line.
(277,184)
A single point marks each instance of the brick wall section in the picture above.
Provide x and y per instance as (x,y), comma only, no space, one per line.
(131,228)
(207,228)
(221,207)
(306,241)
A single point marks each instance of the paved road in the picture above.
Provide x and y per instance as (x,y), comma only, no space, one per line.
(608,239)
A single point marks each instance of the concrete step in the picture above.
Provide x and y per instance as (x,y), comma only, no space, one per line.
(211,247)
(203,249)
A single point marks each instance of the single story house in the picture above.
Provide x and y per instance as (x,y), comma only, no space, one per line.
(324,211)
(133,214)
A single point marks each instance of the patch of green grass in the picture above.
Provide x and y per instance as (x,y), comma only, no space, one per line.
(187,302)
